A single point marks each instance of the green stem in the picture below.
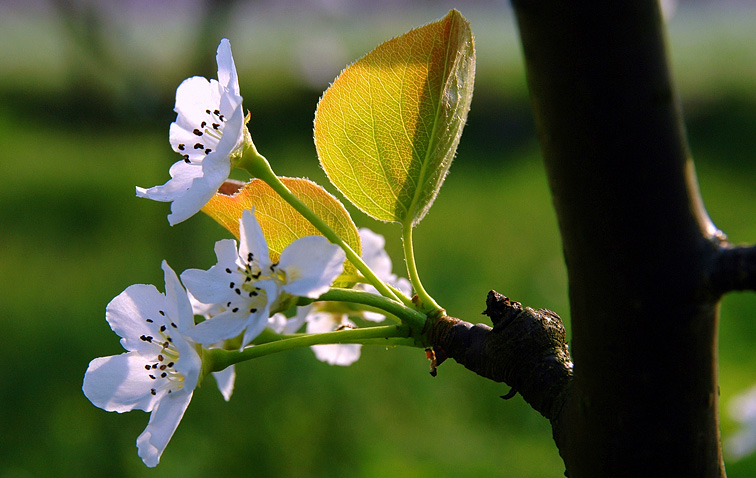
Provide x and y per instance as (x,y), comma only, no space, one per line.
(390,335)
(426,301)
(258,166)
(413,318)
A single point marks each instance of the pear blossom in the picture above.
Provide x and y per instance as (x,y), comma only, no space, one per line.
(245,286)
(326,317)
(161,367)
(209,130)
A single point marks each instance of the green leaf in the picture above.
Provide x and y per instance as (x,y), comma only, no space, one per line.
(387,129)
(280,222)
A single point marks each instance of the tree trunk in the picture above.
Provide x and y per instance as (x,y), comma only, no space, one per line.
(638,244)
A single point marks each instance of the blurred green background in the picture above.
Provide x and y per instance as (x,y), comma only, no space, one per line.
(86,97)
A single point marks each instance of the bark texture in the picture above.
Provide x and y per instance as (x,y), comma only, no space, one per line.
(525,349)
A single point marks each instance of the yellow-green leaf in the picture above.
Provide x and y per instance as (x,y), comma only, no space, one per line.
(280,222)
(387,129)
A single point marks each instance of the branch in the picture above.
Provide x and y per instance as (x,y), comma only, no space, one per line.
(525,349)
(734,268)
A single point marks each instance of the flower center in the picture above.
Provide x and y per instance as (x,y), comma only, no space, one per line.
(161,370)
(208,133)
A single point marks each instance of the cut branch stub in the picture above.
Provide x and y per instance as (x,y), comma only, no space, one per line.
(526,349)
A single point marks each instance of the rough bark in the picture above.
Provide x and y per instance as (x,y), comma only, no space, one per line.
(525,349)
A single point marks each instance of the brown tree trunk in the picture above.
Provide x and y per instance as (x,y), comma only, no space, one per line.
(638,244)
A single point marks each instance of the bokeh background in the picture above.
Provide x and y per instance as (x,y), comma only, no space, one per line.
(86,97)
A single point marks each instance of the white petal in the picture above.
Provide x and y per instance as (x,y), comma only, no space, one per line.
(376,257)
(128,312)
(182,176)
(205,310)
(233,134)
(194,97)
(255,325)
(403,285)
(311,264)
(280,324)
(178,306)
(320,322)
(226,69)
(163,422)
(200,191)
(373,316)
(189,363)
(337,354)
(119,383)
(225,379)
(374,254)
(221,327)
(212,286)
(253,240)
(333,354)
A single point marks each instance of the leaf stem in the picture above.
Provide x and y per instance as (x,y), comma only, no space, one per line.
(258,166)
(390,335)
(426,301)
(415,319)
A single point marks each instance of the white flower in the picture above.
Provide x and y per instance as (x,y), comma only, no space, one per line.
(161,367)
(208,131)
(326,317)
(245,285)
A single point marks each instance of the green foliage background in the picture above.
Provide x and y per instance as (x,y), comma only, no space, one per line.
(79,131)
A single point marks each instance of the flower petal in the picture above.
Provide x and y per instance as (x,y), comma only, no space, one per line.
(163,422)
(337,354)
(225,379)
(255,325)
(202,188)
(178,306)
(226,68)
(182,175)
(280,324)
(311,264)
(333,354)
(129,313)
(194,97)
(221,327)
(118,383)
(374,254)
(212,286)
(253,240)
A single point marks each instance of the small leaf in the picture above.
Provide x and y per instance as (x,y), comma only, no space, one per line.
(280,222)
(387,129)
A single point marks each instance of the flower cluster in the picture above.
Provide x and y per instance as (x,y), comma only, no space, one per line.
(170,337)
(163,362)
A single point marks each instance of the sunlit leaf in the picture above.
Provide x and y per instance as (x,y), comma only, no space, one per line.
(387,129)
(280,222)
